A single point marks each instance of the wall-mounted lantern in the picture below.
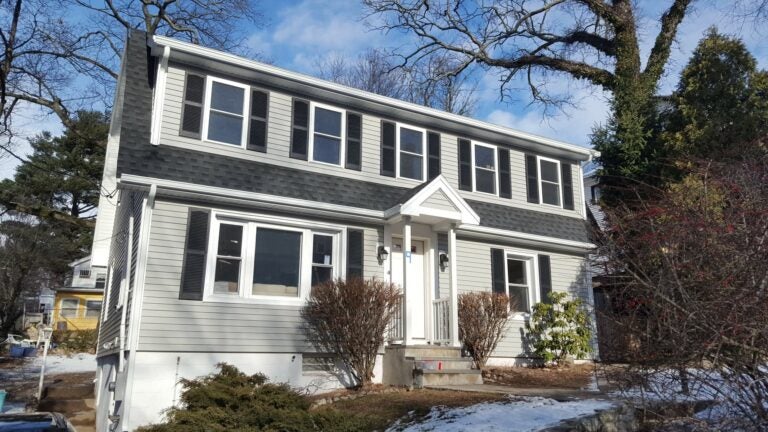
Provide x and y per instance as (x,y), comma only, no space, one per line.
(443,259)
(382,254)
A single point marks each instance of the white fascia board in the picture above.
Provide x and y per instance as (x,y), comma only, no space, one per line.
(582,153)
(413,207)
(552,242)
(129,179)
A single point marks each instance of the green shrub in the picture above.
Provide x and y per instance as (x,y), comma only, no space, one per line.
(559,329)
(76,341)
(230,400)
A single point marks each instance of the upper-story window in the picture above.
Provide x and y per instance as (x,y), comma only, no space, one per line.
(85,273)
(485,167)
(226,103)
(549,181)
(411,143)
(327,139)
(225,112)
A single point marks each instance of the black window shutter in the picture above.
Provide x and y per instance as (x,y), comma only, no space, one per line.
(532,178)
(465,164)
(545,277)
(387,149)
(498,280)
(354,137)
(433,164)
(257,128)
(567,175)
(193,273)
(192,112)
(354,253)
(505,178)
(300,130)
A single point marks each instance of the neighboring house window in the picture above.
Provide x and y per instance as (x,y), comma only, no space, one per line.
(85,273)
(595,194)
(326,142)
(101,279)
(69,307)
(484,157)
(258,260)
(226,103)
(411,143)
(92,308)
(519,284)
(549,181)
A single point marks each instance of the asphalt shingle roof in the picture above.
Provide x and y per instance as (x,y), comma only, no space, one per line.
(138,157)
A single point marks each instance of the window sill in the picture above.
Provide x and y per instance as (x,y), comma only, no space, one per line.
(236,299)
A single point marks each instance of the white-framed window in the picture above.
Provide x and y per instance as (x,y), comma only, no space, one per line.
(92,308)
(327,137)
(69,307)
(268,260)
(101,280)
(484,168)
(226,109)
(85,273)
(411,152)
(519,271)
(549,181)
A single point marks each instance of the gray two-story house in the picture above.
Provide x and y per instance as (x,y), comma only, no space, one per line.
(239,185)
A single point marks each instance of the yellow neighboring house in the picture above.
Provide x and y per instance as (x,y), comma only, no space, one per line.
(77,306)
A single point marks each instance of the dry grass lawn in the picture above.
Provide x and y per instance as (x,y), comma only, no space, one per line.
(567,377)
(381,410)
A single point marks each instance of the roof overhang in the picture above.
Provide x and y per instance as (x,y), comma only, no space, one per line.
(453,209)
(213,60)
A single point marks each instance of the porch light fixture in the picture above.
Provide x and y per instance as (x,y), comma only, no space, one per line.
(382,254)
(443,259)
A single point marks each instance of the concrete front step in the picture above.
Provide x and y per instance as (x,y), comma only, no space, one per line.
(423,378)
(69,391)
(427,351)
(63,406)
(440,363)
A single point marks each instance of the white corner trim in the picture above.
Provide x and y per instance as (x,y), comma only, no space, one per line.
(341,89)
(413,207)
(159,96)
(551,241)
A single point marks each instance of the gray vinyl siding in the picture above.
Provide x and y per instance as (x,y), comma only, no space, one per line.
(131,204)
(474,275)
(170,324)
(278,139)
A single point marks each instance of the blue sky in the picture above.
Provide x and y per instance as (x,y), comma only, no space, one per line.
(300,32)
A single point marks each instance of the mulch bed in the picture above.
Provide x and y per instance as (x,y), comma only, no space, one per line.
(568,377)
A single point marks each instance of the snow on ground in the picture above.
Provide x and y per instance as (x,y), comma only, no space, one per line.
(57,364)
(516,415)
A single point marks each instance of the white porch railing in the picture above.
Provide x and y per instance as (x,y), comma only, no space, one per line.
(396,327)
(441,313)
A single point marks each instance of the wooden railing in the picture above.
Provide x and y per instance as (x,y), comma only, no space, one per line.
(396,327)
(441,313)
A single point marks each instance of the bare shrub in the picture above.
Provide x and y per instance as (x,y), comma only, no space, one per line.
(483,319)
(350,318)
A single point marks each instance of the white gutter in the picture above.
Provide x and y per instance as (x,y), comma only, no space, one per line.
(495,233)
(219,56)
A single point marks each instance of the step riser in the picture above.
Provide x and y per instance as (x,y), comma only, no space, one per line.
(425,352)
(436,379)
(428,364)
(64,406)
(70,392)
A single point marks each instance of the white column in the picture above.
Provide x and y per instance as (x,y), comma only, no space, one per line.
(454,287)
(407,317)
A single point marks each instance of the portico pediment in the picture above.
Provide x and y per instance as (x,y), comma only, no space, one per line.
(433,202)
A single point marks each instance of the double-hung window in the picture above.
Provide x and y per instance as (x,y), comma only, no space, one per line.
(411,161)
(251,259)
(519,286)
(92,308)
(485,166)
(226,107)
(327,139)
(549,181)
(69,307)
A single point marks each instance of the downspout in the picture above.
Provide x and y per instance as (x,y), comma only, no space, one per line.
(124,294)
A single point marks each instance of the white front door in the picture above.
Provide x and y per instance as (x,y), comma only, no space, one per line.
(415,308)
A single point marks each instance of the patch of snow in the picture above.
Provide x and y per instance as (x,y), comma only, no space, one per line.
(13,408)
(58,364)
(515,415)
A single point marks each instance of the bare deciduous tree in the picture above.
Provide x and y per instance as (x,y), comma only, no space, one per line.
(691,286)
